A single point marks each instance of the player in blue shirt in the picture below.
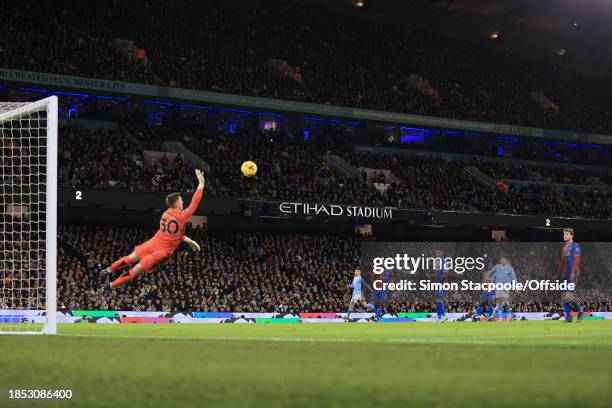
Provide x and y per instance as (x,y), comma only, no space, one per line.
(379,297)
(358,295)
(440,275)
(502,273)
(568,271)
(486,299)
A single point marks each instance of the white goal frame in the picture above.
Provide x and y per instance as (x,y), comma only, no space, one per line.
(49,104)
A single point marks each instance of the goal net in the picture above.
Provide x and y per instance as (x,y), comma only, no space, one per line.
(28,217)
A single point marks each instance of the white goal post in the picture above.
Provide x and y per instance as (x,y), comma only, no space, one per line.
(28,217)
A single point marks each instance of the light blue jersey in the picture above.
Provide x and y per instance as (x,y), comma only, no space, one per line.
(502,274)
(356,285)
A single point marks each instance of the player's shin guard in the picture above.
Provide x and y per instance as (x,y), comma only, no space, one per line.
(126,277)
(120,263)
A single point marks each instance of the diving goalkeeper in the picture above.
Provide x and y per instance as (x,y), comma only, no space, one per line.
(166,239)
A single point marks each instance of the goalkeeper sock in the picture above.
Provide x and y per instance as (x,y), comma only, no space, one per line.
(120,263)
(126,277)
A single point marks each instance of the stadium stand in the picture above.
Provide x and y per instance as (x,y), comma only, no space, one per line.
(296,170)
(299,52)
(254,272)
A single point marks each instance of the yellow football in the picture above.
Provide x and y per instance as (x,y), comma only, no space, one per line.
(248,168)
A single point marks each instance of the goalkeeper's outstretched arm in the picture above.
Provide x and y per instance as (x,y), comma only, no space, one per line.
(197,196)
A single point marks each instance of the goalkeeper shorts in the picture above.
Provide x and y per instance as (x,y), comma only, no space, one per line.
(151,253)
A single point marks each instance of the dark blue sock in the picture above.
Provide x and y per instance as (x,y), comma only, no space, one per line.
(378,312)
(439,308)
(490,311)
(567,309)
(478,310)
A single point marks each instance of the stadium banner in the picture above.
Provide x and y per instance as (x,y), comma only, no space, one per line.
(126,316)
(77,197)
(141,200)
(335,210)
(472,273)
(118,87)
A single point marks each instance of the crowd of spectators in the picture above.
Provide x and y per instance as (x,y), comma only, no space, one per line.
(289,168)
(497,146)
(263,272)
(295,169)
(267,272)
(436,183)
(58,38)
(233,272)
(114,158)
(561,175)
(227,47)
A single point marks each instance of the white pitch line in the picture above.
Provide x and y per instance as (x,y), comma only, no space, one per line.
(490,340)
(236,338)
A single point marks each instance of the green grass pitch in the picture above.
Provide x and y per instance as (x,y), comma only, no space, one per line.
(502,364)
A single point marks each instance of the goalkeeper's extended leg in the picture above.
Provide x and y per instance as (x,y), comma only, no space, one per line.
(123,262)
(146,264)
(127,276)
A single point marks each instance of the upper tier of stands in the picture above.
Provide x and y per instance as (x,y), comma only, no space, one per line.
(228,47)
